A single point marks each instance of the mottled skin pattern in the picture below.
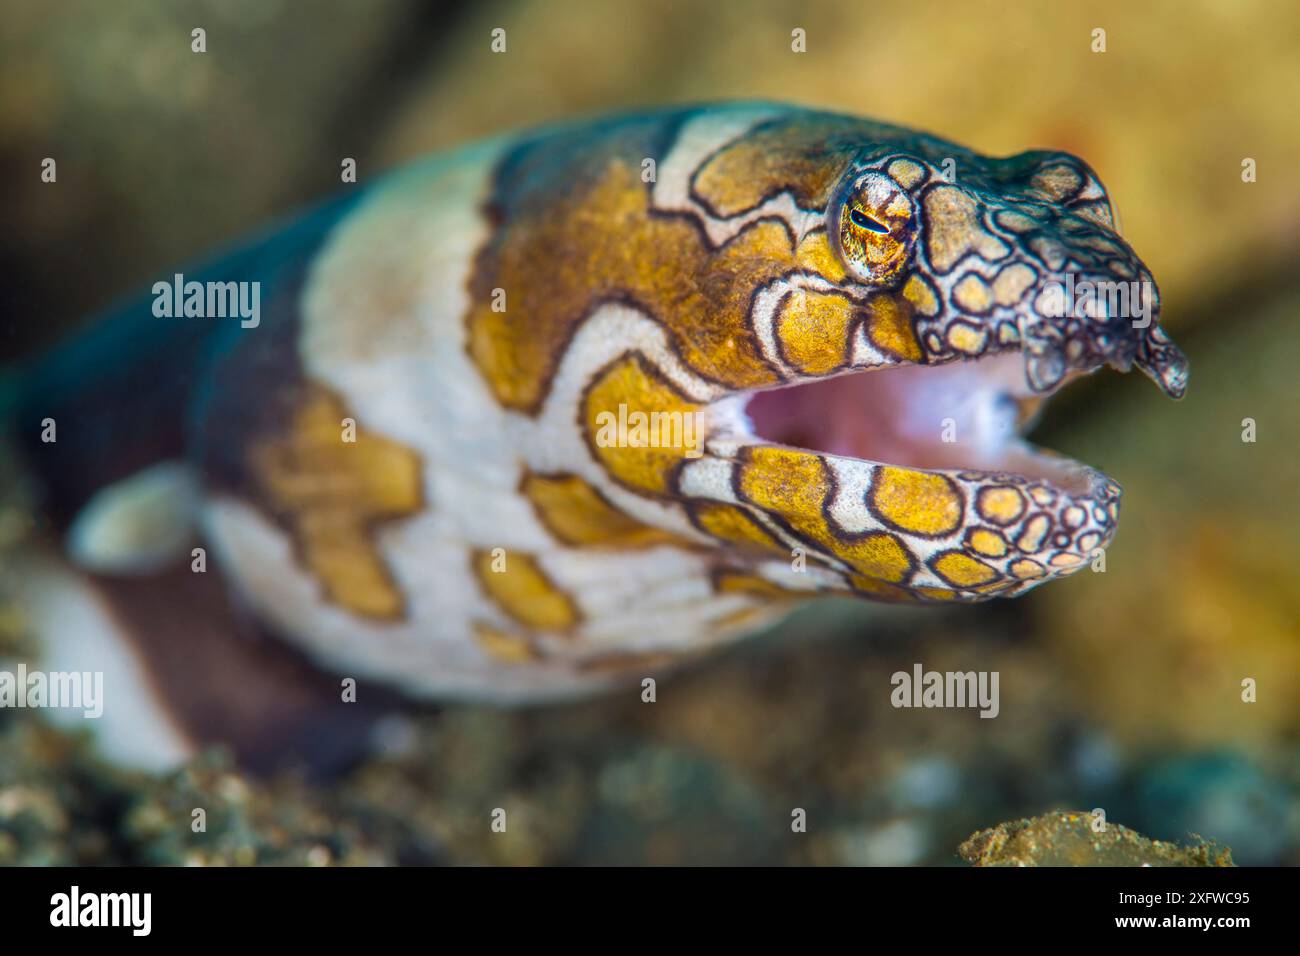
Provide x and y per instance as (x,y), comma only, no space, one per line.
(760,277)
(480,318)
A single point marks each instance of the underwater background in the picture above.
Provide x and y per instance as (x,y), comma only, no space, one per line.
(1120,690)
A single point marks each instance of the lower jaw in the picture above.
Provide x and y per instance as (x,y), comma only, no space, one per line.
(969,496)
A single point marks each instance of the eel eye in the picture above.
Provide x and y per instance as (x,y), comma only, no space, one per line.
(874,227)
(860,218)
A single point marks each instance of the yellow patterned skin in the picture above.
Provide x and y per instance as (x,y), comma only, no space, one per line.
(370,480)
(788,249)
(520,587)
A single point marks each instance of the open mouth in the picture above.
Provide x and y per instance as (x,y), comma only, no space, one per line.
(933,455)
(966,415)
(918,476)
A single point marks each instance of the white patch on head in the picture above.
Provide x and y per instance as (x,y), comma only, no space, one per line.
(384,313)
(700,137)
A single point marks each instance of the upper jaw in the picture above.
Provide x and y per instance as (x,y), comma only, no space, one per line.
(1054,349)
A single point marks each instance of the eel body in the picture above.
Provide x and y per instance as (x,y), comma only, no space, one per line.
(571,407)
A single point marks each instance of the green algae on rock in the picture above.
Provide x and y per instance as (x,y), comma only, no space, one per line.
(1067,838)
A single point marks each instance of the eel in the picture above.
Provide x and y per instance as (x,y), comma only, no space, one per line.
(568,408)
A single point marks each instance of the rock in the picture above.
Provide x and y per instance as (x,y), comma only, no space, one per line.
(1067,838)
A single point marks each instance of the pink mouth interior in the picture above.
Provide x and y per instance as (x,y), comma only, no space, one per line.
(963,415)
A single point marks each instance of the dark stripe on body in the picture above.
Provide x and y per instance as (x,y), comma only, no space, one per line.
(125,393)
